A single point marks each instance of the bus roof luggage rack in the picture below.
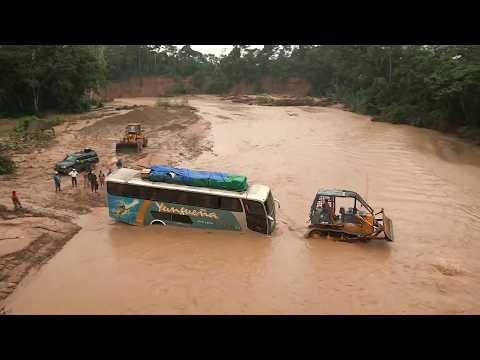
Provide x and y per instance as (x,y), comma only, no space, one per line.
(207,179)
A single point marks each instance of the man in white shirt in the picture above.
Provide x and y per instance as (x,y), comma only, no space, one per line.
(74,174)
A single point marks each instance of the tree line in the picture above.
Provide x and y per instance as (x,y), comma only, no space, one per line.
(37,78)
(433,86)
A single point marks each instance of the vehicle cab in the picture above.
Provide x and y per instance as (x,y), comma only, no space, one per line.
(134,128)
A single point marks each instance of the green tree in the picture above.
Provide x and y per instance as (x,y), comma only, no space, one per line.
(34,78)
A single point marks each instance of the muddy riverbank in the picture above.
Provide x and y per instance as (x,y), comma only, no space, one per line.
(31,237)
(426,181)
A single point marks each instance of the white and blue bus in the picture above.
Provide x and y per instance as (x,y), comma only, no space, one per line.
(134,200)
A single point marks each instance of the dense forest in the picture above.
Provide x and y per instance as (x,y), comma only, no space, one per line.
(434,86)
(34,78)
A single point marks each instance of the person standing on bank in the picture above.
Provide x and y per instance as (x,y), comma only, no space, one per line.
(85,178)
(89,177)
(96,184)
(101,177)
(74,174)
(93,181)
(16,202)
(57,181)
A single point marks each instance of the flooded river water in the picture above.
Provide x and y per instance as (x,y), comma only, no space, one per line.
(427,182)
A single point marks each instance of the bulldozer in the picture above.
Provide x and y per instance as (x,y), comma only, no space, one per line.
(133,140)
(351,223)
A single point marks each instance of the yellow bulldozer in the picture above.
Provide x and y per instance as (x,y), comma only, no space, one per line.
(133,139)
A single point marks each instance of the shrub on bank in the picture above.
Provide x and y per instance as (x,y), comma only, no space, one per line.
(30,131)
(7,166)
(24,122)
(82,104)
(218,87)
(356,101)
(399,114)
(27,122)
(55,120)
(470,133)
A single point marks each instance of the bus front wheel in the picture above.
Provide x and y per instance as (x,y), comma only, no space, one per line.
(158,222)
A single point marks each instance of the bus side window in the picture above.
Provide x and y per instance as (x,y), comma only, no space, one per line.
(128,191)
(172,196)
(145,192)
(116,189)
(132,191)
(208,201)
(230,204)
(191,199)
(111,188)
(155,194)
(161,195)
(181,198)
(169,196)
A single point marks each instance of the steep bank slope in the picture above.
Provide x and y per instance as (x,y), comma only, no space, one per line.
(155,86)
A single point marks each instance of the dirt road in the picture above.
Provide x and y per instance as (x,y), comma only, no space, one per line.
(427,183)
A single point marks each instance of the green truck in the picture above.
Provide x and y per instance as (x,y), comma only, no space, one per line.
(82,160)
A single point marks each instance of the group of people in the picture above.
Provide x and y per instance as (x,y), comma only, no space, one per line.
(90,179)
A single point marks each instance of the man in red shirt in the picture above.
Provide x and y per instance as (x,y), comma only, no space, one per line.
(16,202)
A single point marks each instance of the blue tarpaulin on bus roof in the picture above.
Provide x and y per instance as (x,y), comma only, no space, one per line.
(209,179)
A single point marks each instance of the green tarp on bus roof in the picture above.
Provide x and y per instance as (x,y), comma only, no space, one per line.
(207,179)
(229,182)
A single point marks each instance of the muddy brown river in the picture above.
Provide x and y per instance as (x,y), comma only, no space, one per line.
(427,182)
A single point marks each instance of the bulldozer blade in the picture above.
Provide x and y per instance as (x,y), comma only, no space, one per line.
(126,148)
(388,228)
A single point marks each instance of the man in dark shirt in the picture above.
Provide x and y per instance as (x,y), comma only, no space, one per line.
(327,211)
(93,182)
(56,180)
